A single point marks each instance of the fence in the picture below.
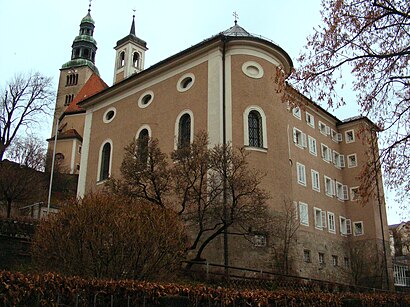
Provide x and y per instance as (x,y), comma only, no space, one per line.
(245,278)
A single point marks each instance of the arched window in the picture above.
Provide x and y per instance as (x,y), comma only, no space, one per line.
(121,59)
(135,59)
(143,139)
(184,131)
(86,53)
(68,81)
(105,160)
(255,129)
(76,79)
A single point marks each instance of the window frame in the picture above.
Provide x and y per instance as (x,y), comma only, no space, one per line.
(354,196)
(312,144)
(330,193)
(177,125)
(246,128)
(319,218)
(297,112)
(335,260)
(303,216)
(354,228)
(307,256)
(349,164)
(100,161)
(300,180)
(315,180)
(310,120)
(299,138)
(326,149)
(350,138)
(345,225)
(331,222)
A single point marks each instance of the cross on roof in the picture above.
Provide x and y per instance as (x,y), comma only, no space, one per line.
(235,14)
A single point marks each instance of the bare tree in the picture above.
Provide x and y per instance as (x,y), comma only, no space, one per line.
(369,40)
(20,185)
(283,231)
(211,189)
(24,98)
(29,151)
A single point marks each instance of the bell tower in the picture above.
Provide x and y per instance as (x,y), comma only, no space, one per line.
(129,55)
(75,73)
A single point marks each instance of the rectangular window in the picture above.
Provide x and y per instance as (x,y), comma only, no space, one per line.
(345,226)
(306,256)
(346,262)
(331,222)
(354,193)
(315,180)
(333,134)
(299,138)
(323,128)
(341,191)
(320,218)
(349,136)
(358,228)
(351,161)
(259,240)
(303,214)
(301,174)
(335,260)
(321,258)
(326,153)
(329,186)
(338,159)
(312,145)
(310,120)
(297,113)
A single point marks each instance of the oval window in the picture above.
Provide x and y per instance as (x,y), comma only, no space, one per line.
(185,82)
(109,115)
(252,69)
(145,99)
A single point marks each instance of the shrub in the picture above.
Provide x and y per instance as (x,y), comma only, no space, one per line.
(104,236)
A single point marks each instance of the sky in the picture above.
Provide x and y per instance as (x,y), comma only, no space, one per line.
(37,35)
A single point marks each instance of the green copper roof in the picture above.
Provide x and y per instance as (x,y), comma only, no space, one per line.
(86,38)
(81,62)
(87,18)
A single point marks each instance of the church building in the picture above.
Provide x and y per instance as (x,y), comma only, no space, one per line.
(228,86)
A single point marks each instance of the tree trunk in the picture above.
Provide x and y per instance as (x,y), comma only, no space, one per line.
(2,150)
(8,209)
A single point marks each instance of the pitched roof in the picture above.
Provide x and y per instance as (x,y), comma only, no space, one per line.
(93,85)
(68,134)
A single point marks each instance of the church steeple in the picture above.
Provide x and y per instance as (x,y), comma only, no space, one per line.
(130,55)
(84,46)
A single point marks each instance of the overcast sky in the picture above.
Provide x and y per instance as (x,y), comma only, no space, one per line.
(36,35)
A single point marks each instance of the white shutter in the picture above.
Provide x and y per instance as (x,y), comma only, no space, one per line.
(323,219)
(345,193)
(348,226)
(304,143)
(295,139)
(327,129)
(342,161)
(332,187)
(296,209)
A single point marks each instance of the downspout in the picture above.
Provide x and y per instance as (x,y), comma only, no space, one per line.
(225,205)
(380,207)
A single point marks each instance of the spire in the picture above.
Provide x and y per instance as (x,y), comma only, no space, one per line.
(84,46)
(132,30)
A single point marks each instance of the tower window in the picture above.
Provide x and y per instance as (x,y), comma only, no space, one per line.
(135,59)
(86,53)
(184,135)
(255,129)
(105,161)
(121,59)
(143,139)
